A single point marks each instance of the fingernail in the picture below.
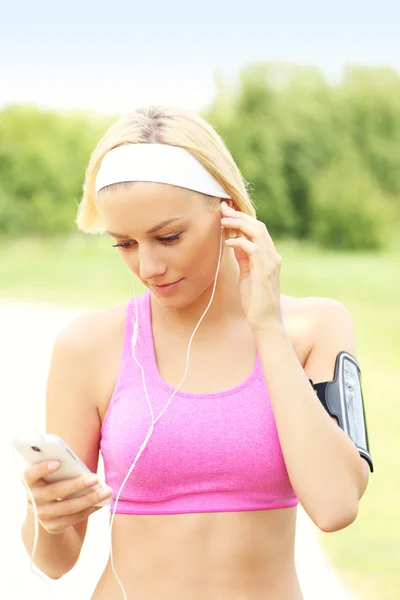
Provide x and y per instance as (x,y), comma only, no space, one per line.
(224,205)
(104,493)
(91,479)
(53,466)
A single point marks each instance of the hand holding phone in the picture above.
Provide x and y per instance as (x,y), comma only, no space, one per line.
(66,494)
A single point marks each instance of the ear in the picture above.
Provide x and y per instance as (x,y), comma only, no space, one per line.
(228,201)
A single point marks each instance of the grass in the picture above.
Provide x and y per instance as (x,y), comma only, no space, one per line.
(86,271)
(74,271)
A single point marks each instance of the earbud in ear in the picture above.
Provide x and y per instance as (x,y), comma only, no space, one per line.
(223,206)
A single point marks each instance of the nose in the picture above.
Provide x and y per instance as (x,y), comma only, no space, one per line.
(151,266)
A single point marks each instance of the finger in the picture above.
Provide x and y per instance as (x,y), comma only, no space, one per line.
(249,247)
(34,473)
(228,211)
(244,226)
(66,487)
(53,510)
(258,225)
(57,526)
(231,212)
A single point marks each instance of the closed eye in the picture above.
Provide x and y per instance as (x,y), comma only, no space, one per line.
(172,239)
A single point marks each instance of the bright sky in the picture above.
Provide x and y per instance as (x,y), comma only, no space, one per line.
(114,56)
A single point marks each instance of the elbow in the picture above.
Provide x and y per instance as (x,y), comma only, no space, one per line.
(337,521)
(63,569)
(55,575)
(51,572)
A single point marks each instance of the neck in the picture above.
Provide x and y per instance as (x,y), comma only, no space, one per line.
(225,305)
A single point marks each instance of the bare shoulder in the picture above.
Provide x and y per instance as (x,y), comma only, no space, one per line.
(311,308)
(86,330)
(307,319)
(88,335)
(300,313)
(96,339)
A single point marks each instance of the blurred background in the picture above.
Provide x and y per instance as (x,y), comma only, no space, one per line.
(307,98)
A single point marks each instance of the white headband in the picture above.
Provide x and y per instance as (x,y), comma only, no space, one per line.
(159,163)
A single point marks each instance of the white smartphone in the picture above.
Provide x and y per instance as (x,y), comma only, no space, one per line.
(36,447)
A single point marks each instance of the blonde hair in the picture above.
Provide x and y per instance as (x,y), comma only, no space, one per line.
(164,125)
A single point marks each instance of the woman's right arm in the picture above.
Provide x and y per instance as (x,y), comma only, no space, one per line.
(55,554)
(71,413)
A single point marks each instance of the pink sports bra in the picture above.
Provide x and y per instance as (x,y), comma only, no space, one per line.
(211,452)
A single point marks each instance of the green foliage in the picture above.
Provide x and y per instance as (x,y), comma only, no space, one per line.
(349,209)
(371,103)
(292,134)
(43,156)
(253,140)
(318,157)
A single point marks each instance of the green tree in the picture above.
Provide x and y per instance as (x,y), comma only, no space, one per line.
(251,135)
(349,209)
(370,100)
(43,156)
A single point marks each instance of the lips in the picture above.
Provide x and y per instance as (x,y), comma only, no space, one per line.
(167,284)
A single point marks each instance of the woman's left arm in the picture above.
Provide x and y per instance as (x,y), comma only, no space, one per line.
(326,471)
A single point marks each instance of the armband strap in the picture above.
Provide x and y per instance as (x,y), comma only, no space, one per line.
(342,398)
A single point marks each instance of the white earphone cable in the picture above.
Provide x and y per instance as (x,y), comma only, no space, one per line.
(144,443)
(33,568)
(154,421)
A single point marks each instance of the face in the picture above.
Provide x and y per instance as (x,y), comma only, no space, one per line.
(166,235)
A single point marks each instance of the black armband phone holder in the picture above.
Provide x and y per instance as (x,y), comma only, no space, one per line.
(342,398)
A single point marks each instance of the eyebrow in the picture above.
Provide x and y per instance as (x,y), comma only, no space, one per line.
(122,236)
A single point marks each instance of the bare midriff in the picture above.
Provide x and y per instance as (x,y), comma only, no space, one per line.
(245,555)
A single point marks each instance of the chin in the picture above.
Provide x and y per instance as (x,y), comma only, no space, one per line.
(179,298)
(169,302)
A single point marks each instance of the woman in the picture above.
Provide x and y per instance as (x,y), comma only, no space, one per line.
(224,455)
